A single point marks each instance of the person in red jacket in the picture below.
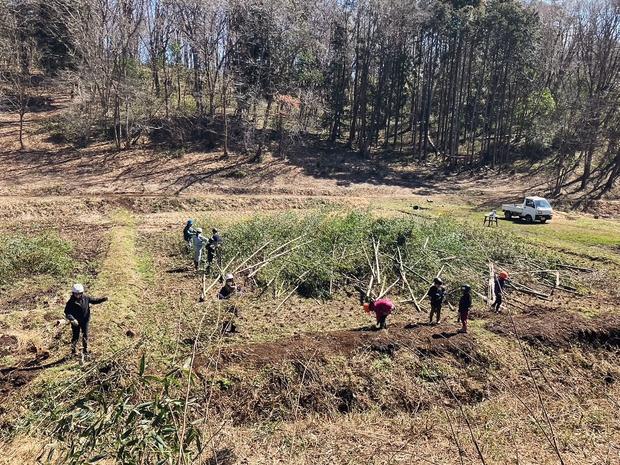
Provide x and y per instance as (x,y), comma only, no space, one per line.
(382,308)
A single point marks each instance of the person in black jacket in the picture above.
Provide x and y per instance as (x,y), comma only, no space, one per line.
(464,306)
(229,289)
(436,294)
(212,249)
(77,311)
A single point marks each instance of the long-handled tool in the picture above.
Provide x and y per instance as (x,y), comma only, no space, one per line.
(203,294)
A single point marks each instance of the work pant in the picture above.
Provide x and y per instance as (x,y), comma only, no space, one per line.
(498,302)
(75,336)
(463,317)
(197,257)
(211,254)
(435,310)
(382,321)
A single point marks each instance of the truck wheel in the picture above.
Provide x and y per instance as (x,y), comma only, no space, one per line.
(529,219)
(508,215)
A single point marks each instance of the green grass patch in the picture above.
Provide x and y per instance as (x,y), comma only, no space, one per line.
(333,248)
(26,256)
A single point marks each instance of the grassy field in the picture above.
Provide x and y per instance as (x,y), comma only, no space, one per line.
(303,379)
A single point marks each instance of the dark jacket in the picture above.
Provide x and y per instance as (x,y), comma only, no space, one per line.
(215,241)
(226,292)
(188,232)
(436,294)
(79,309)
(465,303)
(500,284)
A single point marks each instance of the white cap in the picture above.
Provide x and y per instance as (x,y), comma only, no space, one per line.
(229,276)
(77,289)
(198,230)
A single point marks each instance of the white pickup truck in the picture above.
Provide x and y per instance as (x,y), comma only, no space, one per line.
(532,209)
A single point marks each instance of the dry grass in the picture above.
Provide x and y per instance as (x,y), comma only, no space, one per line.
(290,410)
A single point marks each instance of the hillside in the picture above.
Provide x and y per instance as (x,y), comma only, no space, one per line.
(303,378)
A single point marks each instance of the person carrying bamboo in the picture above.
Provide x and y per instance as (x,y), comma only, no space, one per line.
(436,295)
(464,306)
(77,311)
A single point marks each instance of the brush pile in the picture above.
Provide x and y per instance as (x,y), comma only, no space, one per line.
(315,254)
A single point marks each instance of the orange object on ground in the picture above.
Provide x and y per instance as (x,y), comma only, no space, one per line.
(367,307)
(503,275)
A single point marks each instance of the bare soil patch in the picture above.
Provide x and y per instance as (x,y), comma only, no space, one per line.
(321,346)
(8,344)
(560,328)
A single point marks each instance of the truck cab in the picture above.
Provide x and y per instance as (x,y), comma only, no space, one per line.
(532,209)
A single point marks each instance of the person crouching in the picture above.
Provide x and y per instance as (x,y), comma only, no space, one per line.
(382,309)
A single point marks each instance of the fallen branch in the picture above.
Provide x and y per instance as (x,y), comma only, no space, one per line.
(576,268)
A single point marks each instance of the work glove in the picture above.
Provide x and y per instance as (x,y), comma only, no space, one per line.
(74,323)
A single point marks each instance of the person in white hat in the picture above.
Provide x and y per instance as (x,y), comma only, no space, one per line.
(77,311)
(199,242)
(229,288)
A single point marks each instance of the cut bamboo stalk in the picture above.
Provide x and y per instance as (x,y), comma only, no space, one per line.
(480,295)
(576,268)
(491,285)
(370,283)
(383,293)
(561,288)
(527,290)
(411,270)
(372,268)
(271,255)
(518,273)
(270,259)
(440,271)
(203,294)
(251,256)
(376,247)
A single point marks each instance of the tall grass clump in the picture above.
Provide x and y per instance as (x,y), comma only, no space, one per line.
(118,415)
(22,256)
(329,249)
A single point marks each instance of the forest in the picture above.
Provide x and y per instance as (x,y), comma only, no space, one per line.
(461,82)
